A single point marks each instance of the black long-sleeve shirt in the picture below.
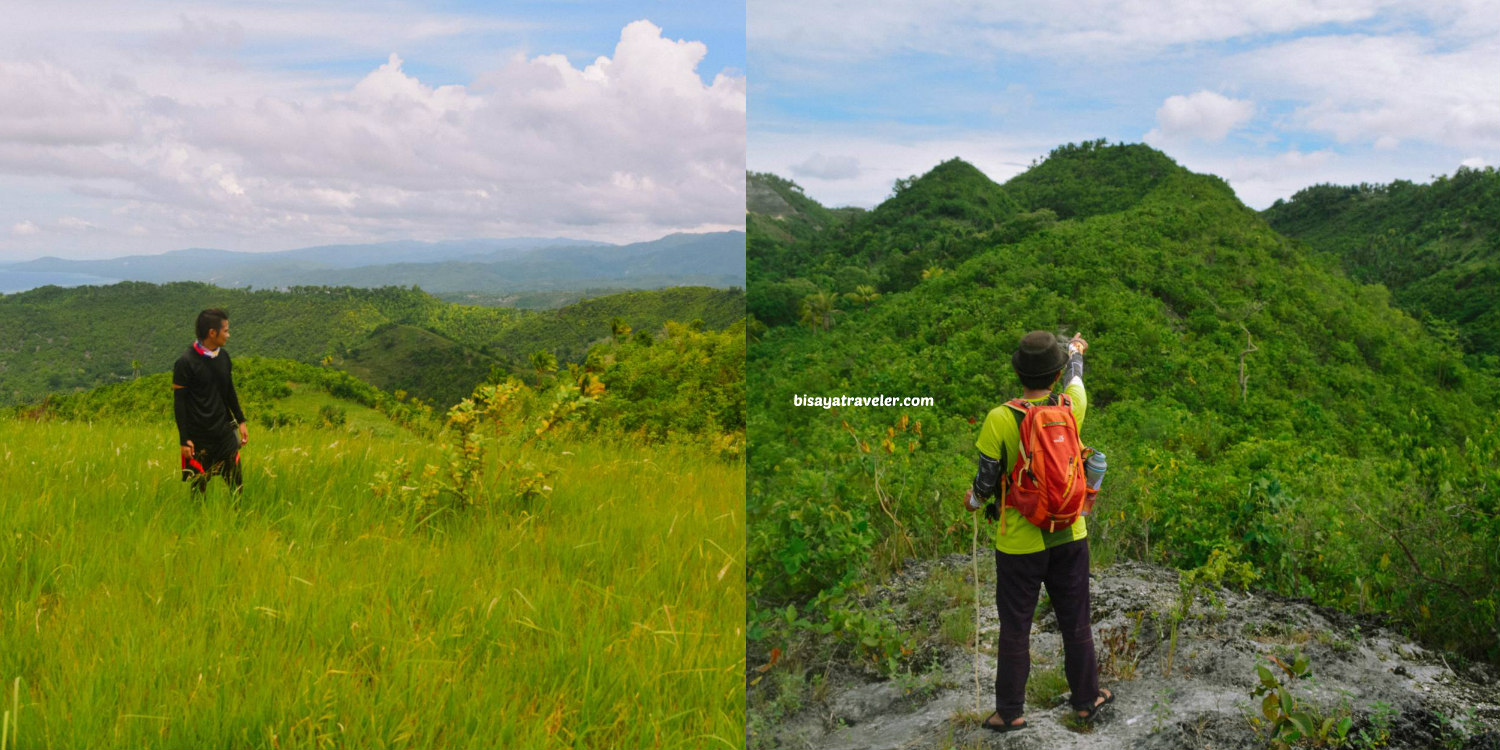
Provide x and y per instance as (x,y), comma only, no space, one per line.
(203,395)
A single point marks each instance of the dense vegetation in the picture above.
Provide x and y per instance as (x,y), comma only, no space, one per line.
(550,563)
(1253,401)
(1435,246)
(56,340)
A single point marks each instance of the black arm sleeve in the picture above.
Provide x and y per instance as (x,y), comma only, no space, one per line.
(180,400)
(988,476)
(1074,369)
(231,398)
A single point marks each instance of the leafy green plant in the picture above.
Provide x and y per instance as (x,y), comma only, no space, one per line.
(1288,720)
(1161,709)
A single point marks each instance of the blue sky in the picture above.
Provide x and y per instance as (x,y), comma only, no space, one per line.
(140,127)
(845,96)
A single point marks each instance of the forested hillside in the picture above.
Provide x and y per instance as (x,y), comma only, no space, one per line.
(55,340)
(1256,404)
(1435,246)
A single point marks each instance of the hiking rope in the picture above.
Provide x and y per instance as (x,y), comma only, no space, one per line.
(978,707)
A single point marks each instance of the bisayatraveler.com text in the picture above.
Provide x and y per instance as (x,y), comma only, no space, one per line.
(828,402)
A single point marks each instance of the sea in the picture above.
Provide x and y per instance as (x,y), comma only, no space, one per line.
(20,281)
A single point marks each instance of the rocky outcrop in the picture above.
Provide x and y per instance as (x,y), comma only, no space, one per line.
(1196,694)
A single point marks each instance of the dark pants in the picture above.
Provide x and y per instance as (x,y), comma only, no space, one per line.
(1018,580)
(219,456)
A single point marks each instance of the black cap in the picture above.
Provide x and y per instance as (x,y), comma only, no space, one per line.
(1040,354)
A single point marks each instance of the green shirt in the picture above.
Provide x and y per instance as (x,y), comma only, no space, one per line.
(1001,440)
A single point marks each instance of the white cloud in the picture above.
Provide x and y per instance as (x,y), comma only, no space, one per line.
(856,30)
(1384,90)
(827,167)
(1203,115)
(25,228)
(1474,162)
(628,147)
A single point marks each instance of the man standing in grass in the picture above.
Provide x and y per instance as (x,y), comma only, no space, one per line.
(1026,556)
(207,407)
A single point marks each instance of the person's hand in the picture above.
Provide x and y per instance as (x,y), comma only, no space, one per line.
(244,434)
(187,451)
(969,501)
(1077,343)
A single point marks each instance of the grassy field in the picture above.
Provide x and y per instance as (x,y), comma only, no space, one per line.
(308,613)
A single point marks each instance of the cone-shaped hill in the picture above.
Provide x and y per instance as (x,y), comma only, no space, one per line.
(1251,398)
(954,191)
(1091,178)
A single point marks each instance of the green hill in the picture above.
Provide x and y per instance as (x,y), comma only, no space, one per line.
(929,224)
(1251,399)
(1091,178)
(273,392)
(417,361)
(55,340)
(1435,246)
(778,208)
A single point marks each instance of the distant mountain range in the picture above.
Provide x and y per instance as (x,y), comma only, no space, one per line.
(482,265)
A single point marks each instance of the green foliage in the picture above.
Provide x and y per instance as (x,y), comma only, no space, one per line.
(1047,687)
(1289,720)
(1338,458)
(57,341)
(1091,178)
(370,575)
(1435,246)
(688,383)
(930,221)
(333,416)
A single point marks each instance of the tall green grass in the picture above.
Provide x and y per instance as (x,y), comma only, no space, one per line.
(307,613)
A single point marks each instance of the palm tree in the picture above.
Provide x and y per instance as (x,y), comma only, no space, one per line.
(618,329)
(818,310)
(543,362)
(863,294)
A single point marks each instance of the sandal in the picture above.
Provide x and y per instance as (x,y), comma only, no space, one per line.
(1087,714)
(1005,724)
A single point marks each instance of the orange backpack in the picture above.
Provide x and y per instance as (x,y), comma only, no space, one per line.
(1047,482)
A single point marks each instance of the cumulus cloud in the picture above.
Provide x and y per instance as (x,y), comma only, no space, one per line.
(25,228)
(1203,115)
(627,147)
(827,167)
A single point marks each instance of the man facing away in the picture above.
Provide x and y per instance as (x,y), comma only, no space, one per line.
(1026,557)
(207,407)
